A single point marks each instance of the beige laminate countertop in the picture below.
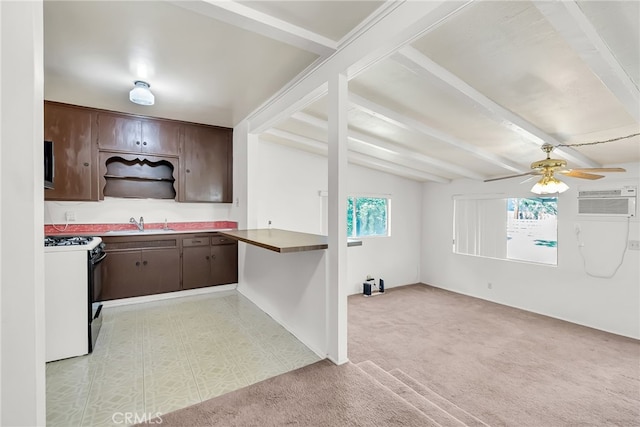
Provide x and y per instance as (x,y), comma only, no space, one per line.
(283,241)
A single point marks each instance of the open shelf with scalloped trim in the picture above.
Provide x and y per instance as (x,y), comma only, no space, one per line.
(137,176)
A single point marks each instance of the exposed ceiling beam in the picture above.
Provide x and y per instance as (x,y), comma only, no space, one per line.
(399,25)
(239,15)
(392,168)
(405,122)
(420,64)
(365,140)
(572,24)
(357,154)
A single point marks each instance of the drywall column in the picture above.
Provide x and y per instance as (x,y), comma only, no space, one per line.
(252,176)
(245,174)
(240,174)
(22,395)
(337,219)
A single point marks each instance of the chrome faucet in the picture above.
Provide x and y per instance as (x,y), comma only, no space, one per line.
(140,224)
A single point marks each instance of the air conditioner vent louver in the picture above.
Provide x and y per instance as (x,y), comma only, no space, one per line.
(600,193)
(618,192)
(614,202)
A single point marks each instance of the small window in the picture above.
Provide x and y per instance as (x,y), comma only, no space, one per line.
(367,216)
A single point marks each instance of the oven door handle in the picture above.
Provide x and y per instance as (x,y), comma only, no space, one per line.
(96,261)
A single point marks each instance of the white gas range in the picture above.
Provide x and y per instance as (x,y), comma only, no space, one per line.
(72,295)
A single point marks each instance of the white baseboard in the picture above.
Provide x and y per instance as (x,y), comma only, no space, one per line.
(168,295)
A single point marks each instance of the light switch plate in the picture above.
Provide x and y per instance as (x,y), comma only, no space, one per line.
(634,245)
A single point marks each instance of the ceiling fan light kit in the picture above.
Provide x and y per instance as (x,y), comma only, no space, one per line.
(549,184)
(141,94)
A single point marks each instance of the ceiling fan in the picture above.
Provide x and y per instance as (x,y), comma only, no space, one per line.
(549,184)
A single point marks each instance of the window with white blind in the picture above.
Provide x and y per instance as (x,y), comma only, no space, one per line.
(523,229)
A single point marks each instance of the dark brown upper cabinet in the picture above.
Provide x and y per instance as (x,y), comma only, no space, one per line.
(135,134)
(75,157)
(206,164)
(102,153)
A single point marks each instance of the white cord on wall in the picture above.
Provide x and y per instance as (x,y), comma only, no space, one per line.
(584,261)
(66,224)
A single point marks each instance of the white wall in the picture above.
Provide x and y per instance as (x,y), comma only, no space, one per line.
(566,291)
(116,211)
(288,182)
(291,288)
(22,359)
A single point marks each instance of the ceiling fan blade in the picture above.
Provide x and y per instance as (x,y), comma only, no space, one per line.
(579,174)
(512,176)
(599,169)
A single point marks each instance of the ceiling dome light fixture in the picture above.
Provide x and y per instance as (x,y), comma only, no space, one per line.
(549,184)
(141,94)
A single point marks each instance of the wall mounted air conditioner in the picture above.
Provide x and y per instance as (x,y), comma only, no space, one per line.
(619,201)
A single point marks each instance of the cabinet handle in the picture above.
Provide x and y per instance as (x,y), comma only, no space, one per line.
(86,164)
(137,263)
(207,257)
(144,262)
(137,142)
(188,170)
(144,143)
(197,241)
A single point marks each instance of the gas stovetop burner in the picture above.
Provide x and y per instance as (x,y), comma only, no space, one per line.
(67,241)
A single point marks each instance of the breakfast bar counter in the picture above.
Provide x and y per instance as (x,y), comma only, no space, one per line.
(283,241)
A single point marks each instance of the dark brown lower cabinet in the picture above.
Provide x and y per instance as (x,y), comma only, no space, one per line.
(147,265)
(142,271)
(196,266)
(224,263)
(208,261)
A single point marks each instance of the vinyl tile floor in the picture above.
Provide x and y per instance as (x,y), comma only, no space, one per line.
(157,357)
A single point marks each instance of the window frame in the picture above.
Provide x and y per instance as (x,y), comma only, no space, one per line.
(475,243)
(356,196)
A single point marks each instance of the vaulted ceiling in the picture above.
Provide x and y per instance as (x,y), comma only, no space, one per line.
(437,90)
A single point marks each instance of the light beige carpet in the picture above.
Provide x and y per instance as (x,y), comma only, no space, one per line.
(506,366)
(321,394)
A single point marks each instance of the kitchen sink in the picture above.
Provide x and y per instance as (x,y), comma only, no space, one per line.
(149,231)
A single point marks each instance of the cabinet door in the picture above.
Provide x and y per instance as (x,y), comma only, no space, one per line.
(161,137)
(206,170)
(196,266)
(119,132)
(121,277)
(224,264)
(160,270)
(75,169)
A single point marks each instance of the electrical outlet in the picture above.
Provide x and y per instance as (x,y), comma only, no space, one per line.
(70,216)
(634,245)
